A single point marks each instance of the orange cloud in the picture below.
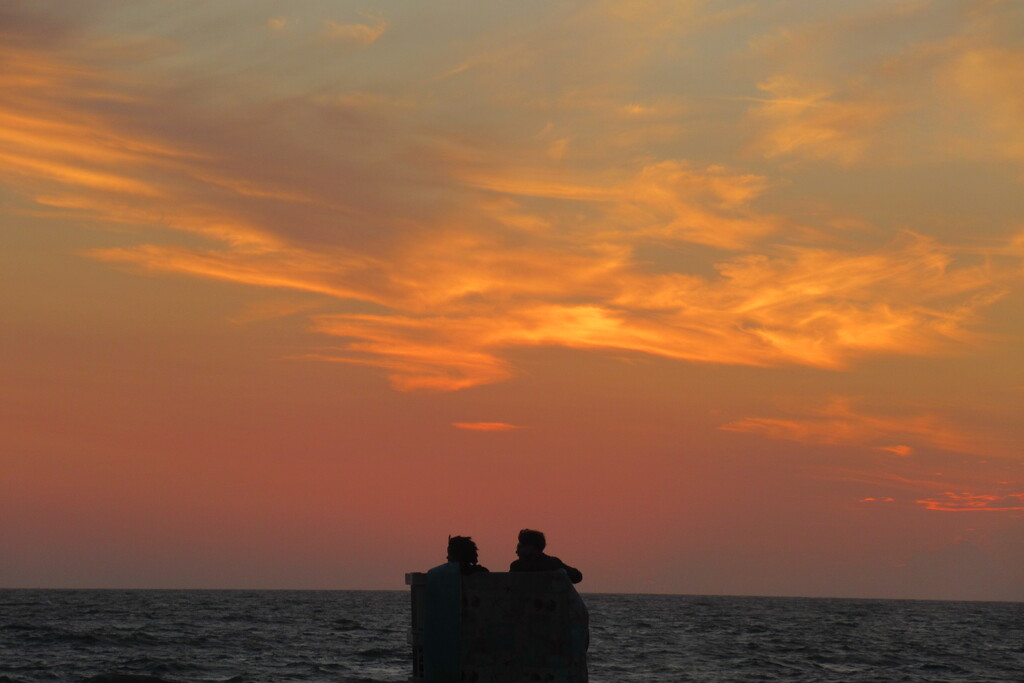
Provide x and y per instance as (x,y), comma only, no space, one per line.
(359,34)
(986,78)
(898,450)
(279,268)
(75,175)
(69,157)
(811,121)
(816,308)
(485,426)
(413,351)
(838,423)
(271,309)
(951,501)
(465,251)
(894,82)
(668,200)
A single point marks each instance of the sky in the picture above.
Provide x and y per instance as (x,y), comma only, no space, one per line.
(727,297)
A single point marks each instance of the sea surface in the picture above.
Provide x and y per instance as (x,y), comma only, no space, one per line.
(361,636)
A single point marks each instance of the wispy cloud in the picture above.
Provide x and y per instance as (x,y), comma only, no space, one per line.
(485,426)
(893,82)
(359,34)
(812,121)
(898,449)
(271,309)
(277,23)
(838,422)
(816,308)
(465,246)
(952,501)
(984,78)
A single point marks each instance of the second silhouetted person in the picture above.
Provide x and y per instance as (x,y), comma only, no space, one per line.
(462,549)
(533,559)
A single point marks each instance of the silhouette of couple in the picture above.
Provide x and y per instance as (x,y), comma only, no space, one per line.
(530,550)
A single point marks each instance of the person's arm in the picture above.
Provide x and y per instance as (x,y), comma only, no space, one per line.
(575,575)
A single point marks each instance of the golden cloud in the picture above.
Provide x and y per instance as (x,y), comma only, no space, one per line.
(899,449)
(359,34)
(277,23)
(986,80)
(817,308)
(466,251)
(485,426)
(953,501)
(837,422)
(810,121)
(848,91)
(271,309)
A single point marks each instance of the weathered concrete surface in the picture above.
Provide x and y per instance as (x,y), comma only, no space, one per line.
(514,628)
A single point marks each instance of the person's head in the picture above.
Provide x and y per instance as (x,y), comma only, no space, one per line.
(531,542)
(462,549)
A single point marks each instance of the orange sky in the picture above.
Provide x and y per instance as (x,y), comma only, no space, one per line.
(726,297)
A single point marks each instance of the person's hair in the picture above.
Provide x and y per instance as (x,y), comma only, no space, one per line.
(533,537)
(462,549)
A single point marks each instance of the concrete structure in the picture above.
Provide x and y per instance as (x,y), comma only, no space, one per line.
(497,627)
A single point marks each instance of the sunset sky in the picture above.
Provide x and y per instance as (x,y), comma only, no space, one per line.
(725,296)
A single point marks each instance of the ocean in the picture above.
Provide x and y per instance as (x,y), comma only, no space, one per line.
(361,637)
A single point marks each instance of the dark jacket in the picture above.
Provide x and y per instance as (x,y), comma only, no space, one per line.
(545,563)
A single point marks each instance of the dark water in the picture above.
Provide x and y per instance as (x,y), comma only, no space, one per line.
(347,636)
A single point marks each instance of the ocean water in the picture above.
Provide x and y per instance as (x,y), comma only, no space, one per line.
(360,636)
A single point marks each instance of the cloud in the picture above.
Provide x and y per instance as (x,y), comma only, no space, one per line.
(812,121)
(413,351)
(893,82)
(951,501)
(357,34)
(485,426)
(441,247)
(838,422)
(898,449)
(48,140)
(816,308)
(985,80)
(271,309)
(277,23)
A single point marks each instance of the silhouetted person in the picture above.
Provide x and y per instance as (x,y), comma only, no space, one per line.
(532,558)
(462,549)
